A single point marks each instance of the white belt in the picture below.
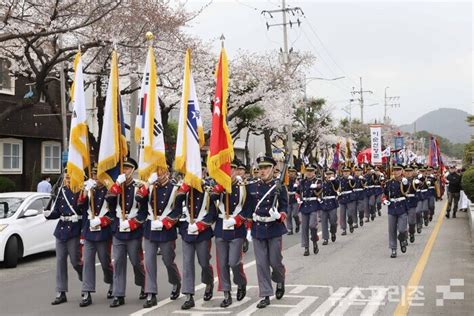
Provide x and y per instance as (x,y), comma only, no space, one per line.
(424,190)
(346,192)
(377,186)
(264,219)
(310,199)
(370,186)
(358,190)
(329,197)
(398,199)
(291,193)
(431,187)
(72,218)
(410,195)
(223,216)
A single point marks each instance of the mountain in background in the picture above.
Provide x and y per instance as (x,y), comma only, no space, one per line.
(448,123)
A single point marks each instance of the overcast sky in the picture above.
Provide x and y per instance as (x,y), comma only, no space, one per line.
(422,50)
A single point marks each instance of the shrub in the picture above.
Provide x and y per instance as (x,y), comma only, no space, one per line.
(468,183)
(6,185)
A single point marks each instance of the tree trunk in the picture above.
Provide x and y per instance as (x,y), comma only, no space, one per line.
(247,153)
(267,133)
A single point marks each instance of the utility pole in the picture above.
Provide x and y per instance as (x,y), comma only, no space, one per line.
(389,102)
(285,52)
(361,99)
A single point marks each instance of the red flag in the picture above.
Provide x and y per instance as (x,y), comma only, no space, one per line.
(221,148)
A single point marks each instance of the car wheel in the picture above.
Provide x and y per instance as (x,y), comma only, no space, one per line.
(11,252)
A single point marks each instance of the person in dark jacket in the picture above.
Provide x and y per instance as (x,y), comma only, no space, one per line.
(453,179)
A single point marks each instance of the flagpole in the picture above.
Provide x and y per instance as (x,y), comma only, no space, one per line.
(119,125)
(191,204)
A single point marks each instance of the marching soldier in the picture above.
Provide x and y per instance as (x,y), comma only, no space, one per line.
(292,202)
(160,233)
(310,194)
(244,179)
(431,183)
(359,195)
(394,197)
(370,193)
(267,229)
(97,237)
(422,207)
(196,232)
(127,231)
(230,232)
(329,208)
(67,233)
(412,201)
(379,180)
(347,202)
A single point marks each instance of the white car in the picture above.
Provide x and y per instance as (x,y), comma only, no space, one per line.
(23,228)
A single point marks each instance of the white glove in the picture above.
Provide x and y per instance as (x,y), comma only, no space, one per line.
(372,171)
(229,223)
(420,176)
(153,177)
(274,214)
(332,179)
(446,173)
(254,217)
(156,225)
(313,186)
(382,178)
(124,225)
(94,222)
(405,181)
(417,181)
(350,177)
(249,235)
(238,178)
(121,178)
(361,177)
(90,184)
(47,213)
(428,182)
(192,228)
(386,202)
(295,185)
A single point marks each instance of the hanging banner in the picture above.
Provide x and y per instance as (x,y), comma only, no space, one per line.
(376,144)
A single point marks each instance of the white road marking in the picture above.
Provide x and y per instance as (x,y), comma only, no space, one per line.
(328,304)
(375,301)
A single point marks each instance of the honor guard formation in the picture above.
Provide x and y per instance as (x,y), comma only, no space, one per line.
(260,209)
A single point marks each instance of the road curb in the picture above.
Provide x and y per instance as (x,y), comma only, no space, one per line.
(471,220)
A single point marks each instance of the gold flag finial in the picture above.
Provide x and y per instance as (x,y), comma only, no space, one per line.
(149,36)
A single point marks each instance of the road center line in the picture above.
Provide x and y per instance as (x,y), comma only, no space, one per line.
(404,305)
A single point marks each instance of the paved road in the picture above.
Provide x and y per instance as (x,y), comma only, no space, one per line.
(352,276)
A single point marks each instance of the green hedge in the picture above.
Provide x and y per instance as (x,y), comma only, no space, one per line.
(468,183)
(6,185)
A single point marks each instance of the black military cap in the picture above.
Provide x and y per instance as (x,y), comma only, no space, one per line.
(346,169)
(397,166)
(409,168)
(265,161)
(292,168)
(330,171)
(310,167)
(357,168)
(234,163)
(130,162)
(241,165)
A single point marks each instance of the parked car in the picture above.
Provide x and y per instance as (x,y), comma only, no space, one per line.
(23,228)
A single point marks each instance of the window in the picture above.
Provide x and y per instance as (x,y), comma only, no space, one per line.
(7,82)
(11,152)
(51,157)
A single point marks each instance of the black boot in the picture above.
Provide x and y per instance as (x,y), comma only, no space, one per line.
(403,244)
(150,301)
(86,300)
(412,238)
(344,233)
(118,300)
(447,214)
(175,292)
(227,300)
(290,232)
(306,251)
(60,298)
(189,303)
(418,229)
(315,247)
(241,292)
(367,220)
(372,217)
(333,237)
(379,212)
(394,253)
(454,214)
(280,290)
(351,228)
(361,222)
(245,247)
(142,294)
(209,292)
(109,292)
(297,229)
(264,303)
(325,242)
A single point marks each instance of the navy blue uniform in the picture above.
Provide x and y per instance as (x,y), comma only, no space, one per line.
(394,192)
(105,232)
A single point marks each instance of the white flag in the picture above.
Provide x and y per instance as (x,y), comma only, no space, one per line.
(78,153)
(152,145)
(190,136)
